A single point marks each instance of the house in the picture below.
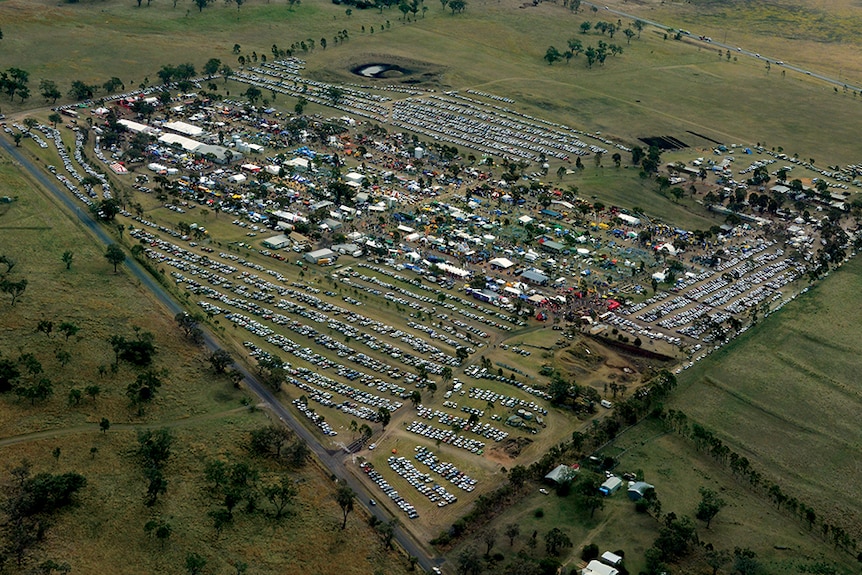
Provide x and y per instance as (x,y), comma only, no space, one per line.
(595,567)
(611,486)
(563,473)
(637,490)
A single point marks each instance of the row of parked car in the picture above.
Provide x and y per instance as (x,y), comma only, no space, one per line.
(390,491)
(422,482)
(445,469)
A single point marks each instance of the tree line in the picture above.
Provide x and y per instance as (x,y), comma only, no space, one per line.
(741,467)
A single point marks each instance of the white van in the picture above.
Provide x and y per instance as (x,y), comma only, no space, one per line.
(606,404)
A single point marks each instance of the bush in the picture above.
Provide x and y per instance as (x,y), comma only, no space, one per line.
(539,513)
(641,506)
(590,552)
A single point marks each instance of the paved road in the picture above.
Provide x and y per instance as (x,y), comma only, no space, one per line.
(334,461)
(739,50)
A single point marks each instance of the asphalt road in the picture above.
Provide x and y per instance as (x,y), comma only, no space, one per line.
(737,49)
(334,461)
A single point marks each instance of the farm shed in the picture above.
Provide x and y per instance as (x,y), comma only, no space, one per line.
(611,486)
(534,277)
(276,242)
(322,257)
(636,490)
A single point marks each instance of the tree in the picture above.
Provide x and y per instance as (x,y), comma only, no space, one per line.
(81,91)
(585,27)
(9,374)
(195,563)
(518,475)
(75,396)
(115,255)
(469,561)
(552,55)
(745,561)
(489,538)
(387,531)
(511,531)
(717,559)
(201,4)
(709,506)
(13,289)
(144,388)
(588,495)
(104,425)
(111,86)
(457,6)
(280,494)
(212,66)
(226,72)
(555,540)
(93,391)
(68,329)
(415,399)
(156,485)
(158,528)
(220,360)
(46,326)
(49,91)
(345,497)
(67,257)
(188,323)
(253,94)
(383,416)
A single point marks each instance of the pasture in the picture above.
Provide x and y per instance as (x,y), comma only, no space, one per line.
(786,394)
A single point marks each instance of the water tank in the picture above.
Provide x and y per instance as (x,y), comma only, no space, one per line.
(418,153)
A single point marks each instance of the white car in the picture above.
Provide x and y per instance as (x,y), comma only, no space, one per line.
(372,446)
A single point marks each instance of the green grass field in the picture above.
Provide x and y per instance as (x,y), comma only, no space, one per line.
(678,471)
(786,394)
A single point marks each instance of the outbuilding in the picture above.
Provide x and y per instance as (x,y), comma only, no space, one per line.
(501,263)
(611,486)
(321,257)
(637,490)
(278,242)
(534,277)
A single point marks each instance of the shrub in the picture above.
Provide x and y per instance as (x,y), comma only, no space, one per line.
(539,513)
(590,552)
